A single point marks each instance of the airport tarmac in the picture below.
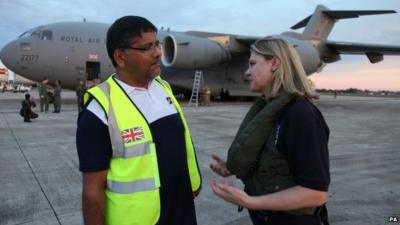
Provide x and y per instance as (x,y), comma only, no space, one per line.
(41,184)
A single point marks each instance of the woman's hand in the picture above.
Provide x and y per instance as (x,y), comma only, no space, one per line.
(230,193)
(219,167)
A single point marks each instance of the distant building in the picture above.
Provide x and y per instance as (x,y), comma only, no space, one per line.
(9,76)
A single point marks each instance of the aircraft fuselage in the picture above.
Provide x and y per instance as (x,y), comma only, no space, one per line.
(73,51)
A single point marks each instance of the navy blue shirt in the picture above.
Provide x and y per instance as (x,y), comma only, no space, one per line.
(302,136)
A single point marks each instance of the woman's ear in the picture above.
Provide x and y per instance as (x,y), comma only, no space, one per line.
(276,62)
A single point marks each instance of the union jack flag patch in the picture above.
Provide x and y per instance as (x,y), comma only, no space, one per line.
(132,134)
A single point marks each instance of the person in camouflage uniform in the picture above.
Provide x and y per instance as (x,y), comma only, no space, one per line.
(44,95)
(57,97)
(80,90)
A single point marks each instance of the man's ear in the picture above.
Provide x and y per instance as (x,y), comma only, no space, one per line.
(119,57)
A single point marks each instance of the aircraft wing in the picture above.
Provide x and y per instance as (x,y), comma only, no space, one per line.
(247,40)
(374,52)
(359,48)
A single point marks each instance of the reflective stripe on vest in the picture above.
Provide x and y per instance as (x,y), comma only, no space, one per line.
(129,187)
(133,151)
(114,131)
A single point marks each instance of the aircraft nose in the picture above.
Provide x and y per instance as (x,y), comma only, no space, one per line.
(8,54)
(2,53)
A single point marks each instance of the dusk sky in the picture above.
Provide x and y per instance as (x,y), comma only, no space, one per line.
(245,17)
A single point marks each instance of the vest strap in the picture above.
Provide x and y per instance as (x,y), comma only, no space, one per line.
(131,187)
(119,149)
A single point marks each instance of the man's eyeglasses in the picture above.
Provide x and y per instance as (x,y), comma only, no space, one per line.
(148,48)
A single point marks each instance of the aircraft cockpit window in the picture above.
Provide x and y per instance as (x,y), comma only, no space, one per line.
(31,33)
(36,33)
(47,35)
(25,34)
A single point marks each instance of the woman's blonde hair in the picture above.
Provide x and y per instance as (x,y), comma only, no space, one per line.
(290,75)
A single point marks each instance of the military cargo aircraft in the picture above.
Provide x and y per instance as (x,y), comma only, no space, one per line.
(70,51)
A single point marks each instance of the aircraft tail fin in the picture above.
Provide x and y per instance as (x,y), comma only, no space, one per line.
(320,23)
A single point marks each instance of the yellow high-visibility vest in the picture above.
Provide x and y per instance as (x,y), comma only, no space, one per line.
(132,192)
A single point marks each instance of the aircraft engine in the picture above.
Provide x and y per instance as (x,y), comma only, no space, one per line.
(182,51)
(309,55)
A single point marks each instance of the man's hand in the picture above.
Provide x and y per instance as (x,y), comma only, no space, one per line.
(196,193)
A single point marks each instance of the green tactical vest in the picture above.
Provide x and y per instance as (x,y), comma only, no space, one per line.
(272,174)
(132,192)
(253,156)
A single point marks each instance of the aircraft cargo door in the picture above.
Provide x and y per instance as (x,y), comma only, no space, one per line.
(92,73)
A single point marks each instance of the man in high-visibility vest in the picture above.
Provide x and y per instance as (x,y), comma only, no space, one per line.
(135,151)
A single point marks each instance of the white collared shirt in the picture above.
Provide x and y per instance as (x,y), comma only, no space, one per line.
(153,102)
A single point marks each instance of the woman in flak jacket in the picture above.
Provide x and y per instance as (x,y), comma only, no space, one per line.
(280,151)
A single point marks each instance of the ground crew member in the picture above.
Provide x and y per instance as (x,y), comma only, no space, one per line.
(26,110)
(44,95)
(80,90)
(135,151)
(57,97)
(207,96)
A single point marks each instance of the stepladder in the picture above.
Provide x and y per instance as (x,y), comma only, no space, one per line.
(194,98)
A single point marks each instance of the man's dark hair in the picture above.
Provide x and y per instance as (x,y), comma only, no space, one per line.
(124,30)
(27,96)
